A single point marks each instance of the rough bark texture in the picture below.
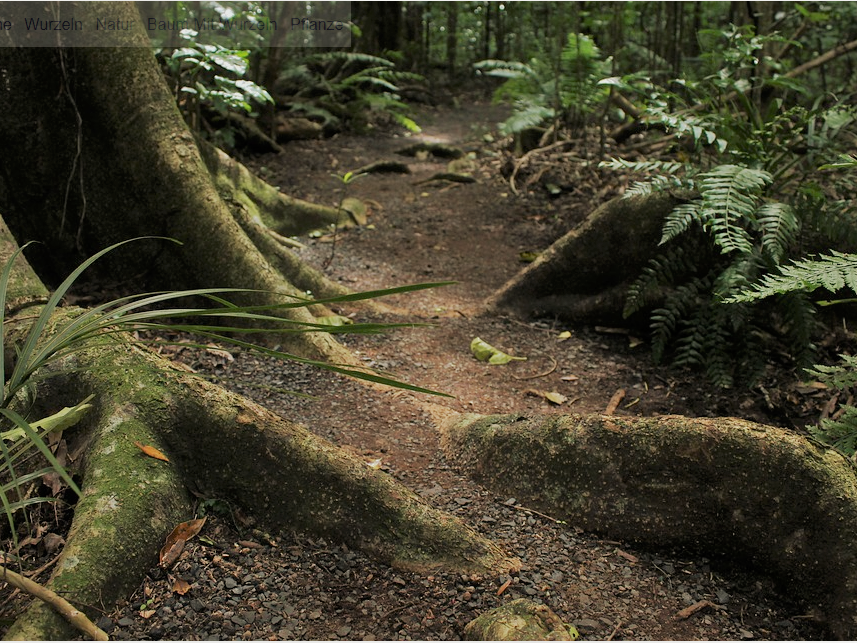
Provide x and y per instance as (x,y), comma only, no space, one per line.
(138,172)
(223,446)
(730,488)
(583,276)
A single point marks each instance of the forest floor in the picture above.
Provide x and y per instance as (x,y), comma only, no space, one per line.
(244,586)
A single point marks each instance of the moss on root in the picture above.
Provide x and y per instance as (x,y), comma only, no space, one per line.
(725,487)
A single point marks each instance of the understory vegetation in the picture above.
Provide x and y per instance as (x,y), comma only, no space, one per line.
(740,117)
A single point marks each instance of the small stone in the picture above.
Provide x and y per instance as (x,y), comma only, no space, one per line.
(746,635)
(230,583)
(587,624)
(722,596)
(343,631)
(126,622)
(197,605)
(240,622)
(106,623)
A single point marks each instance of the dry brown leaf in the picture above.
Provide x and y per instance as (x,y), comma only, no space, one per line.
(151,451)
(175,542)
(504,587)
(613,404)
(170,553)
(147,613)
(181,587)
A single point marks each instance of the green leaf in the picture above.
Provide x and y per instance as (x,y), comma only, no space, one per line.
(484,352)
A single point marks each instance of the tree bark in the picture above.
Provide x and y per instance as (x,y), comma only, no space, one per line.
(95,143)
(728,488)
(583,276)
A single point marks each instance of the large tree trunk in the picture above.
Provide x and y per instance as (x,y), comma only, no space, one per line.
(94,145)
(221,444)
(584,275)
(724,487)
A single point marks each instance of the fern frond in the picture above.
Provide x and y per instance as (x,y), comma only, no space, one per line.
(832,272)
(503,68)
(662,167)
(730,194)
(526,115)
(656,184)
(352,57)
(799,318)
(780,226)
(840,376)
(841,434)
(660,271)
(679,220)
(666,319)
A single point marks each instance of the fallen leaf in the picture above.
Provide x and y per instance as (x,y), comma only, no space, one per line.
(528,256)
(633,342)
(151,451)
(504,587)
(554,397)
(170,553)
(147,613)
(374,464)
(550,396)
(484,352)
(612,405)
(564,335)
(181,587)
(175,542)
(569,378)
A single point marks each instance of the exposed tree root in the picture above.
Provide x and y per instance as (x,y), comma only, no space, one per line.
(584,275)
(724,487)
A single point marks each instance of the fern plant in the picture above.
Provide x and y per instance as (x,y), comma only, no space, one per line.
(561,89)
(759,205)
(346,86)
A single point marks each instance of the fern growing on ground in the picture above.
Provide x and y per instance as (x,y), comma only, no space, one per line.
(560,89)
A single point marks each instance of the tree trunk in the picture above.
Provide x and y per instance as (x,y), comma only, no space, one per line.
(94,142)
(584,275)
(223,445)
(728,488)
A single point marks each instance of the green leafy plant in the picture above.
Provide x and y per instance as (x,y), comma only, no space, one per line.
(561,89)
(340,86)
(213,76)
(755,203)
(20,438)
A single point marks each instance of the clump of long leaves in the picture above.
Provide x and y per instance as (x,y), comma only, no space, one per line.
(21,439)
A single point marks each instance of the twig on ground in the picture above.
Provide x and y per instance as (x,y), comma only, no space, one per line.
(537,375)
(615,631)
(61,606)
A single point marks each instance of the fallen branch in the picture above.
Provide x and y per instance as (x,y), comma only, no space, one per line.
(689,611)
(65,609)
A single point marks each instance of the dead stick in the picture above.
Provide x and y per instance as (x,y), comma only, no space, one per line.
(65,609)
(687,612)
(615,630)
(537,375)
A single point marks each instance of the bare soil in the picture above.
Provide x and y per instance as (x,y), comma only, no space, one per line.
(247,585)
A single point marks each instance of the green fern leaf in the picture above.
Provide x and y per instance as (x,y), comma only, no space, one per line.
(730,194)
(526,115)
(679,220)
(779,225)
(833,272)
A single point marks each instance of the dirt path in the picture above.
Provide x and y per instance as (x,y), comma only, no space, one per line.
(243,587)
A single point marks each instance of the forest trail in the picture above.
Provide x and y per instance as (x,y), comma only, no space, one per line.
(471,233)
